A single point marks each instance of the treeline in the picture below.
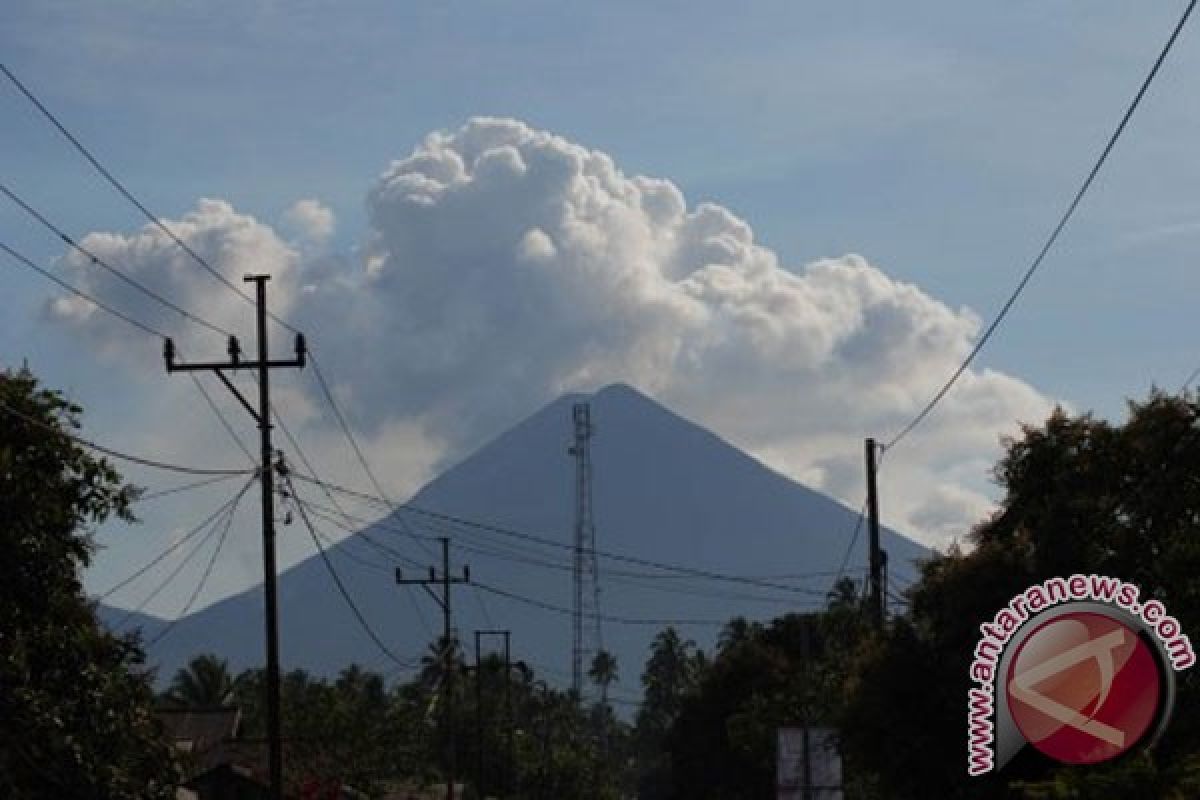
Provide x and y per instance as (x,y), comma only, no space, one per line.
(507,735)
(705,727)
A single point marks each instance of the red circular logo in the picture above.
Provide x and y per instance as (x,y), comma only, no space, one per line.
(1083,688)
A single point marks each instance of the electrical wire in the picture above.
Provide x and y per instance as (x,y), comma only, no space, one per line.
(226,524)
(237,440)
(187,487)
(1191,378)
(133,459)
(157,221)
(24,261)
(352,556)
(1054,234)
(362,621)
(509,532)
(128,319)
(128,195)
(183,562)
(178,542)
(78,292)
(348,432)
(638,580)
(520,598)
(408,590)
(325,515)
(120,274)
(549,606)
(95,259)
(858,523)
(483,609)
(165,582)
(350,437)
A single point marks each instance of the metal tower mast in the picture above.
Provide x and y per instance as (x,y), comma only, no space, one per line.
(587,584)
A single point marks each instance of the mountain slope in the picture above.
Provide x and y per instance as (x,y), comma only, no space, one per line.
(665,490)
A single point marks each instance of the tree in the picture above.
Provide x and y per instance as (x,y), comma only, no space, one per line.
(76,716)
(785,673)
(603,673)
(672,671)
(205,683)
(1081,495)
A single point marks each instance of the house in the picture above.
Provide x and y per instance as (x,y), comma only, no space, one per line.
(216,764)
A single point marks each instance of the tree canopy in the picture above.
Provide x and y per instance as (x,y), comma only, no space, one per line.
(76,714)
(1080,495)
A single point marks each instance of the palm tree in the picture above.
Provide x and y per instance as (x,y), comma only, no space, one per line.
(737,631)
(603,673)
(204,683)
(443,658)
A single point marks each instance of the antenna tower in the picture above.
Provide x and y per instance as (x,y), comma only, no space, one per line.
(587,583)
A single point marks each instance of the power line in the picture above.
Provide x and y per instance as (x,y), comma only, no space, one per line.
(550,606)
(79,292)
(325,514)
(187,487)
(639,580)
(338,581)
(128,195)
(23,260)
(362,460)
(1054,234)
(237,440)
(678,568)
(347,553)
(549,542)
(143,461)
(332,499)
(350,437)
(392,555)
(487,615)
(95,259)
(684,570)
(1190,379)
(858,523)
(520,598)
(226,524)
(158,223)
(165,582)
(178,542)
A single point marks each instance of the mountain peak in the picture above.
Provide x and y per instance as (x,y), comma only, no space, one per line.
(621,390)
(664,490)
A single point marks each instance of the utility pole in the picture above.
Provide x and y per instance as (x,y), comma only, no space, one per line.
(805,655)
(263,364)
(445,580)
(876,554)
(479,727)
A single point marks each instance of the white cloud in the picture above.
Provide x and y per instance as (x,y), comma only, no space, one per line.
(314,221)
(231,243)
(505,265)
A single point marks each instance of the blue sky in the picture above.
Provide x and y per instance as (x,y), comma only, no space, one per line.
(938,140)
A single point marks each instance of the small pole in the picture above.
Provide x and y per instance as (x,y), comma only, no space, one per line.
(508,710)
(445,580)
(479,782)
(876,555)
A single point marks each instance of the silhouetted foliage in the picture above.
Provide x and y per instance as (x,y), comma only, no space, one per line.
(75,707)
(1081,495)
